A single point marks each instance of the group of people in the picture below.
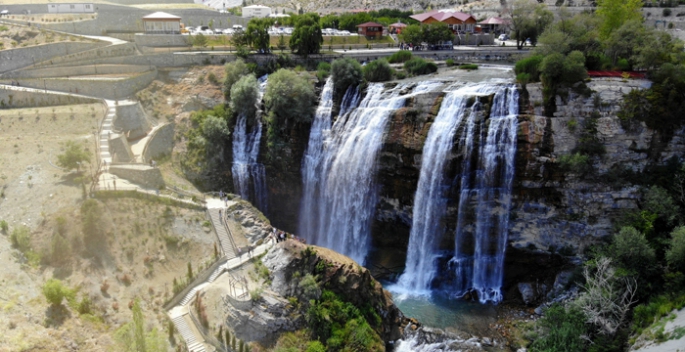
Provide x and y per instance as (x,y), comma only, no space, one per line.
(15,83)
(224,197)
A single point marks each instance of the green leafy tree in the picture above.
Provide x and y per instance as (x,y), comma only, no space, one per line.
(233,72)
(289,98)
(290,95)
(131,337)
(55,291)
(529,19)
(257,33)
(240,40)
(412,34)
(74,156)
(345,72)
(436,32)
(557,71)
(200,40)
(306,38)
(244,96)
(614,13)
(378,71)
(675,255)
(562,330)
(631,251)
(281,43)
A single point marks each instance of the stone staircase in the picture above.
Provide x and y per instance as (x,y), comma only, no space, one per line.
(225,239)
(184,329)
(191,293)
(105,154)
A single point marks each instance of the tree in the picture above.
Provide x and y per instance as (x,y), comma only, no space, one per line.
(631,251)
(378,71)
(306,38)
(345,72)
(281,43)
(437,32)
(412,34)
(556,71)
(614,13)
(215,131)
(138,326)
(234,71)
(257,33)
(131,336)
(244,96)
(607,298)
(54,291)
(290,96)
(675,254)
(529,19)
(240,40)
(74,155)
(200,40)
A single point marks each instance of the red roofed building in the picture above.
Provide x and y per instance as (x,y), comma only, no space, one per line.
(396,28)
(457,21)
(370,29)
(494,24)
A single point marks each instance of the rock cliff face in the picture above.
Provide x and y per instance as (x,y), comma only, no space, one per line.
(553,208)
(291,261)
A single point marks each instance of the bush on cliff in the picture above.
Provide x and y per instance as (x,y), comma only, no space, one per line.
(346,72)
(244,96)
(377,71)
(419,66)
(234,71)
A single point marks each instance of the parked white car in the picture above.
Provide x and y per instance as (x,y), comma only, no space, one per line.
(227,31)
(343,32)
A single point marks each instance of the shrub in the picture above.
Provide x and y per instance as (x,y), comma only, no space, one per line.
(576,163)
(244,95)
(234,71)
(377,71)
(666,12)
(529,65)
(74,155)
(631,251)
(4,226)
(323,70)
(211,77)
(346,72)
(20,238)
(675,254)
(562,330)
(419,66)
(54,291)
(290,96)
(449,62)
(468,67)
(400,57)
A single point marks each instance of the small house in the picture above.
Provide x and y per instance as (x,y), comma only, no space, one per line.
(494,25)
(370,30)
(162,23)
(396,28)
(256,11)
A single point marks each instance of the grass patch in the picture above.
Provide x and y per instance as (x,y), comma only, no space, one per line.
(468,67)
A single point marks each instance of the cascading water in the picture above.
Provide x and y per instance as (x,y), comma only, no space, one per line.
(485,199)
(494,173)
(311,163)
(246,170)
(347,192)
(429,200)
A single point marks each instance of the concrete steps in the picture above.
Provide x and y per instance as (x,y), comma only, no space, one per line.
(106,131)
(192,293)
(188,335)
(222,233)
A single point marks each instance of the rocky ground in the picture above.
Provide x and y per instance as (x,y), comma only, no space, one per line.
(12,36)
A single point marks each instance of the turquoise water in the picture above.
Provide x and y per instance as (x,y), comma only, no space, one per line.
(447,314)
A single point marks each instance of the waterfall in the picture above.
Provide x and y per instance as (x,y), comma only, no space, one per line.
(249,176)
(429,200)
(347,191)
(494,174)
(486,179)
(311,163)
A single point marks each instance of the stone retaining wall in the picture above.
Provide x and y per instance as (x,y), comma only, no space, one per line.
(12,59)
(102,88)
(120,150)
(22,99)
(77,71)
(144,175)
(109,51)
(161,142)
(162,40)
(131,119)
